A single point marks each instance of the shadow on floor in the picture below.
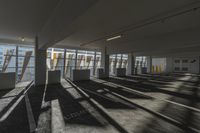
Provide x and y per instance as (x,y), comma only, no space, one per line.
(4,92)
(187,117)
(71,106)
(150,88)
(95,86)
(17,121)
(100,88)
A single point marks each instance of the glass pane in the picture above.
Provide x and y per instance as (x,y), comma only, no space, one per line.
(70,61)
(26,63)
(7,58)
(55,59)
(85,60)
(97,61)
(159,65)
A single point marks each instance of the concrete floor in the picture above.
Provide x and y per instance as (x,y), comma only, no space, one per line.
(92,106)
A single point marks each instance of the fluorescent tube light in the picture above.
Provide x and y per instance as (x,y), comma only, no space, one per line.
(113,38)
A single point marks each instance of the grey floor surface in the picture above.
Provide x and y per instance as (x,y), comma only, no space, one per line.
(62,108)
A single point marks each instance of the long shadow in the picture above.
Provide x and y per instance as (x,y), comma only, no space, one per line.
(159,84)
(186,116)
(146,81)
(4,92)
(17,121)
(35,97)
(71,106)
(95,86)
(170,78)
(150,80)
(99,88)
(149,88)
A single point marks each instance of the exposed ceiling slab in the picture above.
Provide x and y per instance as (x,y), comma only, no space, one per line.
(143,25)
(24,18)
(57,26)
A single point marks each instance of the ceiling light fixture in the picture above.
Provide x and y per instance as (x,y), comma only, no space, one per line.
(113,38)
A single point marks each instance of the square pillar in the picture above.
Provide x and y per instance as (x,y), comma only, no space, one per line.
(131,64)
(149,64)
(105,61)
(40,65)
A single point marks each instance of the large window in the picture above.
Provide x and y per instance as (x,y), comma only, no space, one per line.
(55,59)
(118,61)
(97,62)
(26,63)
(140,63)
(85,60)
(74,59)
(70,61)
(7,58)
(158,65)
(19,59)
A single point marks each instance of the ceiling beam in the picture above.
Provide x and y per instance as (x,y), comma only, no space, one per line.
(56,27)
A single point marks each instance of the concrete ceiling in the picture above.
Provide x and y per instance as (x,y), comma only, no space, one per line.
(43,18)
(144,25)
(23,18)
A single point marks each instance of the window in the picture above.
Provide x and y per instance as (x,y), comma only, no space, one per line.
(177,68)
(185,61)
(70,61)
(85,60)
(140,61)
(184,69)
(26,65)
(74,59)
(55,59)
(176,61)
(97,61)
(158,65)
(8,56)
(117,61)
(25,60)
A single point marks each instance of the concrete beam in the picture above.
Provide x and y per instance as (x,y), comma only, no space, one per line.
(57,26)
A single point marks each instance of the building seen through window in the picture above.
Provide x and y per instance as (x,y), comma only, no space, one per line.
(19,59)
(66,60)
(117,61)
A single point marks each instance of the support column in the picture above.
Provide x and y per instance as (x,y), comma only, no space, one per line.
(169,64)
(64,63)
(40,65)
(76,57)
(94,63)
(16,69)
(105,61)
(131,64)
(149,64)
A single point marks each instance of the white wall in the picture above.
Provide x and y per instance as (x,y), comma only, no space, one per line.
(193,67)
